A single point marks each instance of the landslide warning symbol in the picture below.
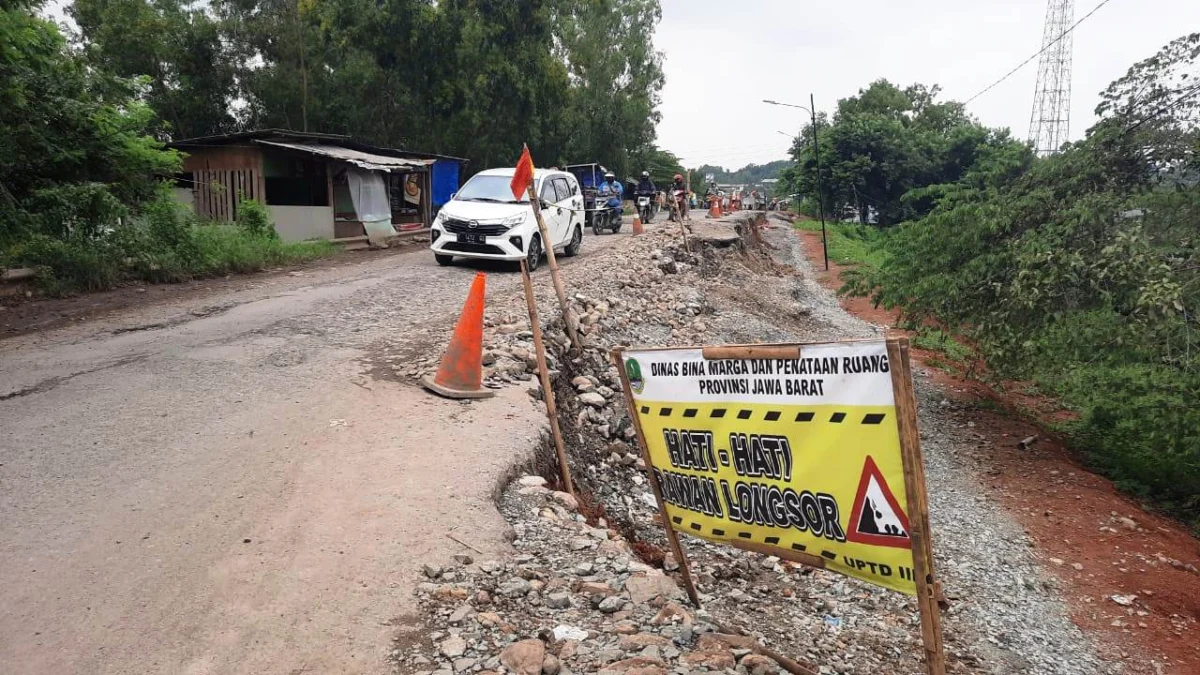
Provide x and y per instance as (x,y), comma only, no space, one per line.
(877,518)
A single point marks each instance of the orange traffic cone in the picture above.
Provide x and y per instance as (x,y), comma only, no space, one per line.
(637,225)
(460,373)
(714,208)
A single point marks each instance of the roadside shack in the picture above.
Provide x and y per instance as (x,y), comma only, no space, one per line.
(320,186)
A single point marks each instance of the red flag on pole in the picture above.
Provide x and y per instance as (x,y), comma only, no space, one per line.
(523,177)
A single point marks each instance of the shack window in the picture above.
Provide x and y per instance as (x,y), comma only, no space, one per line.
(295,181)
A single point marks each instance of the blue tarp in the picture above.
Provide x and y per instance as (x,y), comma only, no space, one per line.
(445,180)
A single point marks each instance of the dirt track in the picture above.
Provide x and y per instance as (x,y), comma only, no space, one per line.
(215,484)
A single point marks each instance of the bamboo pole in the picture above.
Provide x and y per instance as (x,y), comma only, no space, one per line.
(544,373)
(548,245)
(672,538)
(918,506)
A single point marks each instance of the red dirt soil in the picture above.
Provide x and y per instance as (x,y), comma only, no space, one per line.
(1096,541)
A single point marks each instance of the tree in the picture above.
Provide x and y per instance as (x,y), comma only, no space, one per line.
(881,145)
(180,50)
(75,153)
(662,165)
(578,81)
(501,84)
(615,77)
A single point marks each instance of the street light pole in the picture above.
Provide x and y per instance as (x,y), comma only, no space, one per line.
(820,186)
(817,156)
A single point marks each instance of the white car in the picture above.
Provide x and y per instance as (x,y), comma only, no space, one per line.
(484,221)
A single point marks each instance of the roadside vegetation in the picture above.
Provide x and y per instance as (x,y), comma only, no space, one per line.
(1078,272)
(164,243)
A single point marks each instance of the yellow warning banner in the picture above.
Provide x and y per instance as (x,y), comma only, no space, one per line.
(792,455)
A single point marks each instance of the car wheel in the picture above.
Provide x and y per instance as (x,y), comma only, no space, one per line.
(534,256)
(572,248)
(443,260)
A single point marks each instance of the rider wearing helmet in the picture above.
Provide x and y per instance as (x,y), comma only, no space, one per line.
(679,194)
(610,191)
(645,186)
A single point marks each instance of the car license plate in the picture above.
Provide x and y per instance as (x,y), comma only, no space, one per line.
(472,238)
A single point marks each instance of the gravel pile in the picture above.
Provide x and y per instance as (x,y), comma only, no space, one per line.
(731,284)
(574,599)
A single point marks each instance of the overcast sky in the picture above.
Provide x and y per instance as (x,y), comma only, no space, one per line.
(723,58)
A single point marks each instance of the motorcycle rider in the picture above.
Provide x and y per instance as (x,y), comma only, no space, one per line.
(645,186)
(712,194)
(678,194)
(611,192)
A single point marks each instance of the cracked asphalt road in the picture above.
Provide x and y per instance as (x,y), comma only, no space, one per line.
(217,485)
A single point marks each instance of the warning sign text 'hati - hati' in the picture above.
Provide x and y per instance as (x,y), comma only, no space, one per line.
(799,456)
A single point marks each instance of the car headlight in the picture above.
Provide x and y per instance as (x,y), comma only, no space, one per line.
(513,221)
(439,218)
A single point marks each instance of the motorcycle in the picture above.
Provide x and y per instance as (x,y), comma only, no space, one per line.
(608,218)
(645,207)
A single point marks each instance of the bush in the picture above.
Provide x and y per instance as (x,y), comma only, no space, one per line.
(163,244)
(67,265)
(255,219)
(1139,424)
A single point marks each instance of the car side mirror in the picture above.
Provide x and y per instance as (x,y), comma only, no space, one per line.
(544,204)
(452,196)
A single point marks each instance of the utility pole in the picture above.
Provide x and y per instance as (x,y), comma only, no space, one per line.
(817,156)
(820,187)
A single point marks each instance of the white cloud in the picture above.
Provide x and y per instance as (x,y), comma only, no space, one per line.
(723,58)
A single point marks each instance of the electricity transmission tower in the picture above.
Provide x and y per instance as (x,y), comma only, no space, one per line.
(1051,118)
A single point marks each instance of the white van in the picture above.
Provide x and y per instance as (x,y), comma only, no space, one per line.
(484,221)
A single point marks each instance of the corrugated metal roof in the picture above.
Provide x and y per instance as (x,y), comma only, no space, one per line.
(365,160)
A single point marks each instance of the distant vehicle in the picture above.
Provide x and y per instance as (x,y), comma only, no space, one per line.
(484,221)
(590,176)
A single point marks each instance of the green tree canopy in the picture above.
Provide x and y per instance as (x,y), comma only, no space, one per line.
(74,148)
(884,143)
(578,81)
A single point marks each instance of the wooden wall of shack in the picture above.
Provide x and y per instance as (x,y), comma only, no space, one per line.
(222,176)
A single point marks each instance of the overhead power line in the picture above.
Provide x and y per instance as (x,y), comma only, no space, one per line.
(1036,54)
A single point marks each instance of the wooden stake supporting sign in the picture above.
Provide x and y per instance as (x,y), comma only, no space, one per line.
(918,506)
(544,374)
(548,245)
(806,452)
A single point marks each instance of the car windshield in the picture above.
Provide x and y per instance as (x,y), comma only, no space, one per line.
(496,189)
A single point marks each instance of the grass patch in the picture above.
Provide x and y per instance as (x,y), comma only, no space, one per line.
(166,244)
(936,340)
(226,249)
(850,244)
